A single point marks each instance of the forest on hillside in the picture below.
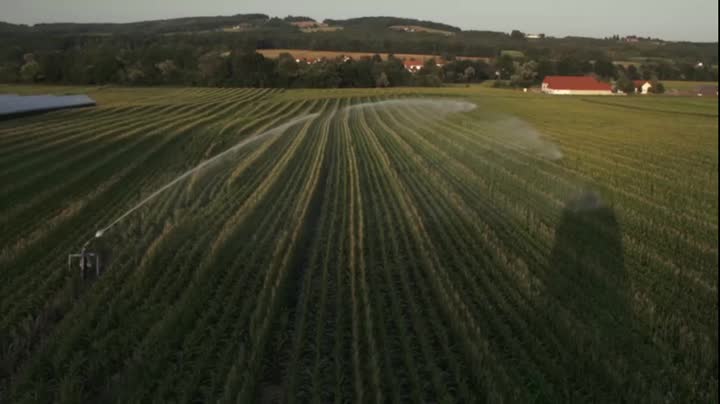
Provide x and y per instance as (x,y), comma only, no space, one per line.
(220,51)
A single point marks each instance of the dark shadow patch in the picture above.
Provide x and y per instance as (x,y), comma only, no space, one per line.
(587,264)
(587,279)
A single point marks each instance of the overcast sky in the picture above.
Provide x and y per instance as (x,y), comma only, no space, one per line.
(695,20)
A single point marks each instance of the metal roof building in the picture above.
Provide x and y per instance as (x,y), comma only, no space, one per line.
(13,104)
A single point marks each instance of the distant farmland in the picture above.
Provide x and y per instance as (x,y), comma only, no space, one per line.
(417,28)
(412,245)
(314,54)
(688,86)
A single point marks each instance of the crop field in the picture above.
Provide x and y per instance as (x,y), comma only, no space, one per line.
(515,54)
(453,245)
(690,87)
(318,54)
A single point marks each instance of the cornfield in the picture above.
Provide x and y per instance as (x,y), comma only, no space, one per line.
(369,254)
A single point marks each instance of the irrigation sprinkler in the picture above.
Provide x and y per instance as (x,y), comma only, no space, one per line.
(85,259)
(88,260)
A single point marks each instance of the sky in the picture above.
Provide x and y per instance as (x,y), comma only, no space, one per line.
(693,20)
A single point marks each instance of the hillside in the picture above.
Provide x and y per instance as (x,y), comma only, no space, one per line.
(364,34)
(193,24)
(374,23)
(187,24)
(7,28)
(221,50)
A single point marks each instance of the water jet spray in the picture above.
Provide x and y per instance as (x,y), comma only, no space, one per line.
(87,260)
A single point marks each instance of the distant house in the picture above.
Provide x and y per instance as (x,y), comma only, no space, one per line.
(308,61)
(642,86)
(535,36)
(305,24)
(413,65)
(403,28)
(245,26)
(575,85)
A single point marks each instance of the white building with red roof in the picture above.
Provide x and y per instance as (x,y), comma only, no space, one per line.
(575,85)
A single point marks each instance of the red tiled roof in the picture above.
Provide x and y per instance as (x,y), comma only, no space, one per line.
(411,63)
(576,83)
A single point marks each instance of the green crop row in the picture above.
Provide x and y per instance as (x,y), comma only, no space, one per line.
(389,253)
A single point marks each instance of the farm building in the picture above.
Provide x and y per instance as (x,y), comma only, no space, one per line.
(403,28)
(305,24)
(12,105)
(413,65)
(309,61)
(575,85)
(642,86)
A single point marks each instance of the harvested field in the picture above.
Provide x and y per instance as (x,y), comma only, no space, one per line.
(306,53)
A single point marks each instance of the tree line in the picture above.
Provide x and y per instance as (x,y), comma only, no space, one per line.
(188,65)
(155,53)
(365,34)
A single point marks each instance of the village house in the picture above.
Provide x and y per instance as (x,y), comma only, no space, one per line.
(642,86)
(403,28)
(413,65)
(575,85)
(308,61)
(305,24)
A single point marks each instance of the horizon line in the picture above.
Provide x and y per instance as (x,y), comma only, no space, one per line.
(131,21)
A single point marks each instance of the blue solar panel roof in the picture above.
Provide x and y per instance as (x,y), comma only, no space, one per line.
(11,104)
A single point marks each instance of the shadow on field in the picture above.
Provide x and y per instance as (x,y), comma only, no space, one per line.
(587,279)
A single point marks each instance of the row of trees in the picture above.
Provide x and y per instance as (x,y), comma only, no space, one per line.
(189,65)
(238,68)
(530,70)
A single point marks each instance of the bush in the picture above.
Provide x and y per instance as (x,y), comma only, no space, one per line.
(658,88)
(625,85)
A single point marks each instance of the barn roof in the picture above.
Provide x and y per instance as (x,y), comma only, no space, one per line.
(576,83)
(409,63)
(11,104)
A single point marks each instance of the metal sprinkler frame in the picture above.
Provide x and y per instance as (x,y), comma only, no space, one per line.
(86,260)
